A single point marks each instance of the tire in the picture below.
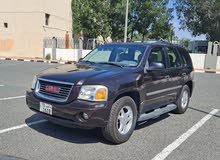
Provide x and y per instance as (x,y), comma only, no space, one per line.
(182,105)
(114,131)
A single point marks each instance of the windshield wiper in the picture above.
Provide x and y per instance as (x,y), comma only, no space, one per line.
(89,62)
(110,63)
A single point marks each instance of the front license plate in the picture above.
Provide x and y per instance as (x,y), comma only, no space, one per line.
(46,108)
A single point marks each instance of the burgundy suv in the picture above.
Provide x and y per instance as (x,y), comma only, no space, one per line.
(114,87)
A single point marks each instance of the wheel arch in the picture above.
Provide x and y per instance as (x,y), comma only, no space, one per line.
(135,95)
(190,85)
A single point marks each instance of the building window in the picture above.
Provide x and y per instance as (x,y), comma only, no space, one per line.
(47,17)
(6,25)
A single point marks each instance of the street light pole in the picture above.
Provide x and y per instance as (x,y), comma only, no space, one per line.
(126,22)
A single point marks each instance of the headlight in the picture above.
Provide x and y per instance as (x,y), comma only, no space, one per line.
(93,93)
(34,82)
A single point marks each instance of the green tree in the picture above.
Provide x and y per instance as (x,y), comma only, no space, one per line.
(147,18)
(200,17)
(162,28)
(151,18)
(91,17)
(117,19)
(185,43)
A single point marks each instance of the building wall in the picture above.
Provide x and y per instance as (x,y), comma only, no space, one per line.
(198,60)
(26,25)
(60,17)
(218,63)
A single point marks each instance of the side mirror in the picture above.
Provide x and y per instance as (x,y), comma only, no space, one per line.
(155,66)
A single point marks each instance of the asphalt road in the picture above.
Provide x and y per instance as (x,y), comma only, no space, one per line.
(192,136)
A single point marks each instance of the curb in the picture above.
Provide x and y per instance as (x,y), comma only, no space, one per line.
(38,60)
(207,71)
(199,71)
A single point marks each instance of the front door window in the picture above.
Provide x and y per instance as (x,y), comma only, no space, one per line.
(157,55)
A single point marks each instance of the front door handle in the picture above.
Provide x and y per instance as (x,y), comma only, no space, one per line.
(184,74)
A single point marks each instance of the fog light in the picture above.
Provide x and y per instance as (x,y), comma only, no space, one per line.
(85,116)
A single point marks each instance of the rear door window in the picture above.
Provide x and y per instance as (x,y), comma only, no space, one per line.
(186,57)
(173,58)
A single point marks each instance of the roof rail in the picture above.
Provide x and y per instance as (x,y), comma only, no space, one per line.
(154,41)
(159,41)
(163,41)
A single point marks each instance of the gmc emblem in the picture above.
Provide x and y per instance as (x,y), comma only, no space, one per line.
(52,89)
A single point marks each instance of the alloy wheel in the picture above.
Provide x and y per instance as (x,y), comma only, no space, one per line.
(125,120)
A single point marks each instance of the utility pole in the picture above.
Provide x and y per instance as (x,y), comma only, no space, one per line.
(126,22)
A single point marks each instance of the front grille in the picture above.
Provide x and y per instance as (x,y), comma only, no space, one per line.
(53,90)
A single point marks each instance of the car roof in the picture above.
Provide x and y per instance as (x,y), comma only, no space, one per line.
(149,43)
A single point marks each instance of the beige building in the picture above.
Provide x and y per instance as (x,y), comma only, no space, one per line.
(25,23)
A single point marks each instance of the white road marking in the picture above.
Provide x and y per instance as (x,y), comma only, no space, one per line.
(170,148)
(1,85)
(22,126)
(9,98)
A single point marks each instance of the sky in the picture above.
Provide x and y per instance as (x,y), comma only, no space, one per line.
(182,33)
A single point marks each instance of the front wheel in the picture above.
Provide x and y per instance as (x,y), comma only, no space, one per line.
(183,100)
(122,121)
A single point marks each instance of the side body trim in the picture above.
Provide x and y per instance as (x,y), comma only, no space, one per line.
(163,90)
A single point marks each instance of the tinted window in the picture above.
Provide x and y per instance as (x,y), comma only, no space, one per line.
(173,57)
(185,56)
(157,55)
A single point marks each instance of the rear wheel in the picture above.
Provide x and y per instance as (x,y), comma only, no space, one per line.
(183,100)
(122,121)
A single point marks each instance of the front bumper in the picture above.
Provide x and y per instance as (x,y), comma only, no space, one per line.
(70,115)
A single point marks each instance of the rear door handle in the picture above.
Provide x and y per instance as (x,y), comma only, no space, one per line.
(167,77)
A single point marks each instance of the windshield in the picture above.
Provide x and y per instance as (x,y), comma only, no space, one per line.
(123,55)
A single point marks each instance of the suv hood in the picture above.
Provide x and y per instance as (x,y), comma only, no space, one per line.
(75,73)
